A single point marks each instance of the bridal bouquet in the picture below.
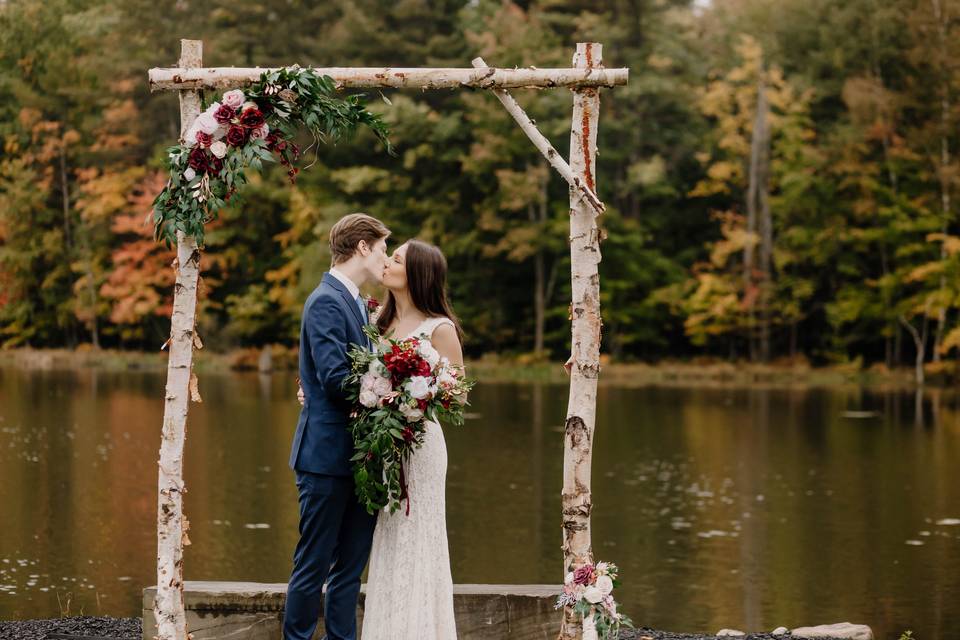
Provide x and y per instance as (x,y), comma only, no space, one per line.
(589,590)
(395,389)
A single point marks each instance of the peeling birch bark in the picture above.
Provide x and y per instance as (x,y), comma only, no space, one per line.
(171,524)
(398,78)
(540,141)
(585,333)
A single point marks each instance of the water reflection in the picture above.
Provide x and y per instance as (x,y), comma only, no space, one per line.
(746,508)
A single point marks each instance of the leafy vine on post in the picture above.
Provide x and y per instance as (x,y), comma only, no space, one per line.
(244,129)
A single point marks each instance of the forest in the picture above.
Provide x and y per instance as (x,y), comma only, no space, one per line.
(778,174)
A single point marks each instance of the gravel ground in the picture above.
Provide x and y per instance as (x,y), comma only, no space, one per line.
(653,634)
(89,626)
(130,629)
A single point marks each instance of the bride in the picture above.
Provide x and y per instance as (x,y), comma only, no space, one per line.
(409,587)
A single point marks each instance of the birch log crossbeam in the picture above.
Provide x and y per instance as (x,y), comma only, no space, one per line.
(543,145)
(398,78)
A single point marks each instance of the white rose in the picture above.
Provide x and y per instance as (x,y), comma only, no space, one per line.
(220,132)
(382,386)
(592,594)
(569,578)
(248,105)
(260,133)
(605,585)
(367,380)
(189,174)
(212,109)
(412,414)
(234,98)
(207,123)
(190,137)
(428,353)
(368,398)
(418,387)
(218,149)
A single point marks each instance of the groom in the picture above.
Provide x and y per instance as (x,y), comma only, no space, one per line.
(335,531)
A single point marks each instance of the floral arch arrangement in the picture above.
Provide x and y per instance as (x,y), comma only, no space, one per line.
(245,129)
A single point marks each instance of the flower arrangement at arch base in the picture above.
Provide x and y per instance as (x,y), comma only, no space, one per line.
(589,590)
(246,128)
(395,389)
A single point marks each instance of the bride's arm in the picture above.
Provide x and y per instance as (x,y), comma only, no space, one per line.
(447,344)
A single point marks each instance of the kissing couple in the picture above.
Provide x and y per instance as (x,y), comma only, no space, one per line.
(409,586)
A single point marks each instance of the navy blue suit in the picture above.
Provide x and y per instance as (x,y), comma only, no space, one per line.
(335,531)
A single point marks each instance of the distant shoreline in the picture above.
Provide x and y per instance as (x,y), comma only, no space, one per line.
(699,372)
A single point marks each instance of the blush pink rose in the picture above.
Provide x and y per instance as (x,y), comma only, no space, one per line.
(234,99)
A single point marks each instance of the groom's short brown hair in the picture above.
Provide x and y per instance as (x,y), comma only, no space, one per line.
(349,230)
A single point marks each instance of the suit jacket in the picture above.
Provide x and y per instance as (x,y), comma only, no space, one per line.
(331,323)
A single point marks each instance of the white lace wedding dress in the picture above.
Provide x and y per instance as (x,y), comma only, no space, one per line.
(409,586)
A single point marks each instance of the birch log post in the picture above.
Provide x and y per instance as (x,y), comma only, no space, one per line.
(172,526)
(585,332)
(540,141)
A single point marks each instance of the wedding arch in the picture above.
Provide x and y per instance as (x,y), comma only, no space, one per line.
(584,78)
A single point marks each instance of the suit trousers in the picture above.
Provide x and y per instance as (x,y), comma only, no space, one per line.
(335,538)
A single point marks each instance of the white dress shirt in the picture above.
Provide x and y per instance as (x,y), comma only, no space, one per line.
(347,282)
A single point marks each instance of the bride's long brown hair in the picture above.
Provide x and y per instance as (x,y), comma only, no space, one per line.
(427,282)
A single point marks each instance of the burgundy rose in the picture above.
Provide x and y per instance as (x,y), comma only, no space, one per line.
(408,434)
(252,118)
(199,160)
(372,304)
(215,165)
(204,139)
(583,575)
(224,114)
(236,136)
(423,368)
(401,363)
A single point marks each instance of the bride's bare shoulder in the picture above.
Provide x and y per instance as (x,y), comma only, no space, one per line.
(446,341)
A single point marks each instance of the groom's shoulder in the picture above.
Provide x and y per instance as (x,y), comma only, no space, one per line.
(324,295)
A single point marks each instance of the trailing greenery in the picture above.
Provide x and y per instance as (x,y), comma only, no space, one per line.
(208,168)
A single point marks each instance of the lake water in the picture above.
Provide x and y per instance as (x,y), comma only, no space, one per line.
(724,507)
